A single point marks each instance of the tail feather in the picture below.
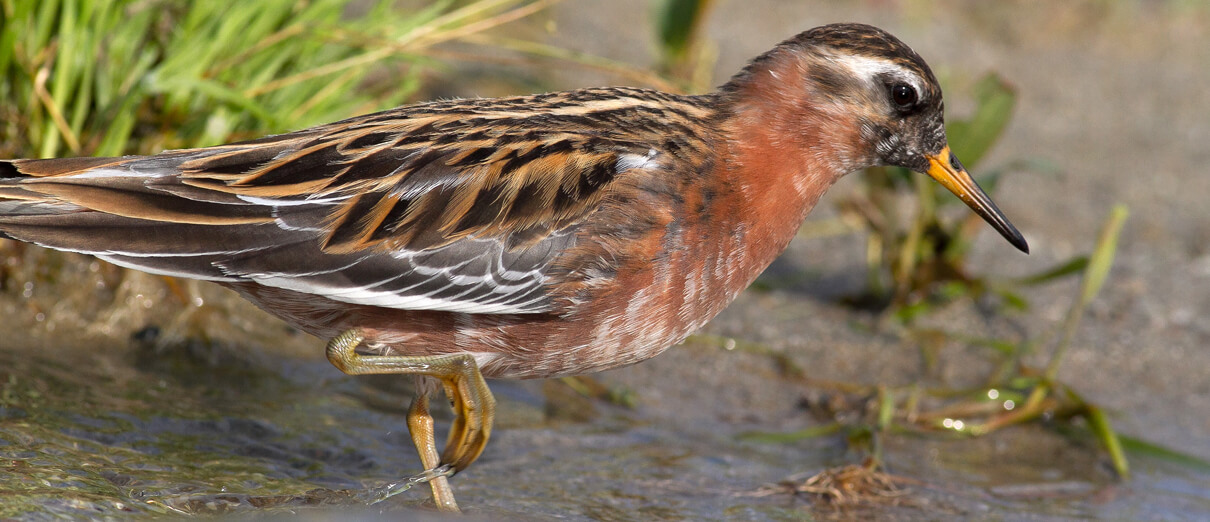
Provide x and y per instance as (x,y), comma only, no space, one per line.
(134,211)
(39,168)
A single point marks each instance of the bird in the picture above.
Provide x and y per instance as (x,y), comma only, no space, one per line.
(521,237)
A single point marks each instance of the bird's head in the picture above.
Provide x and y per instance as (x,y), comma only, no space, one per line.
(862,82)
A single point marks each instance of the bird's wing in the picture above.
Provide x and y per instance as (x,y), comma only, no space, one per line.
(455,206)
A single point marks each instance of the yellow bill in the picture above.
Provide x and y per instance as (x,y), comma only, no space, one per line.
(949,172)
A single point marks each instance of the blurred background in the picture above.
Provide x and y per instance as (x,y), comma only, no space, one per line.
(899,361)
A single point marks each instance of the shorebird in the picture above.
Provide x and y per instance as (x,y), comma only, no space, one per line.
(523,237)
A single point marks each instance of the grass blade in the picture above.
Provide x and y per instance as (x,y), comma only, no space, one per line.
(1094,278)
(794,436)
(1140,447)
(1104,431)
(1074,266)
(972,138)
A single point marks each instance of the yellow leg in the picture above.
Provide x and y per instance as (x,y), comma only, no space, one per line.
(474,406)
(420,425)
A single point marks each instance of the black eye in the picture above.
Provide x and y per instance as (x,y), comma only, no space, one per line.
(903,95)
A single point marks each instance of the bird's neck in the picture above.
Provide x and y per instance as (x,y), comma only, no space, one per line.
(782,152)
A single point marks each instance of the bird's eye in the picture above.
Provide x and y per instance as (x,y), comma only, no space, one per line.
(903,95)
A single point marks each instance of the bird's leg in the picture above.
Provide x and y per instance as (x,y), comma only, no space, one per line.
(420,425)
(474,406)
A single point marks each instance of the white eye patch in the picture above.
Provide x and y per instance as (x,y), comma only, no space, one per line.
(874,70)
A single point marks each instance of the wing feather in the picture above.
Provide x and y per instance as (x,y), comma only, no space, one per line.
(457,206)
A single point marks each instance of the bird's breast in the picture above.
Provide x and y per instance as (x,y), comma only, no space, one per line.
(654,270)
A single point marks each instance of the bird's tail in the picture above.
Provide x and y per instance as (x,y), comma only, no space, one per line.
(16,196)
(145,212)
(125,210)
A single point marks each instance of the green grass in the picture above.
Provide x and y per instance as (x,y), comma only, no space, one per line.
(110,77)
(1012,395)
(116,77)
(685,57)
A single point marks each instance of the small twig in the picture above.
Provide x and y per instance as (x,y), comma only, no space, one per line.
(52,108)
(841,487)
(485,24)
(379,494)
(411,44)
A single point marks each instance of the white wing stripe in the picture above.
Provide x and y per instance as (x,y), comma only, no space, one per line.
(160,271)
(393,299)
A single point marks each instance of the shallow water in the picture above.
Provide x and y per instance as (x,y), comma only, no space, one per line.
(124,431)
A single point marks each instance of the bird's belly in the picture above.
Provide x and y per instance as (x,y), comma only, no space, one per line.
(636,317)
(639,317)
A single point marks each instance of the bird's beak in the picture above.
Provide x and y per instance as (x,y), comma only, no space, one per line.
(949,172)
